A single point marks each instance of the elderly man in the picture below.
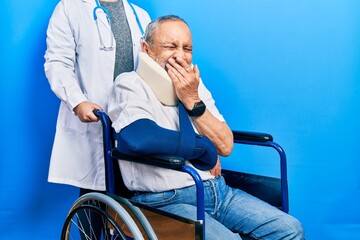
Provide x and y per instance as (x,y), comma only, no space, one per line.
(136,111)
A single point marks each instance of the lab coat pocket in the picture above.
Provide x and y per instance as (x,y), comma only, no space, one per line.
(69,121)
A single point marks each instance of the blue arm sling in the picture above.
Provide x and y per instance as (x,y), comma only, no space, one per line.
(145,137)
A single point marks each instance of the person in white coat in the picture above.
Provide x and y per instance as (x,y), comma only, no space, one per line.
(86,49)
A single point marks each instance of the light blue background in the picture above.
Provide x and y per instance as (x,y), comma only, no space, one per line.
(290,68)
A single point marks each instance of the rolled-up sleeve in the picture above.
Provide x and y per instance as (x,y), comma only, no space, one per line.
(207,98)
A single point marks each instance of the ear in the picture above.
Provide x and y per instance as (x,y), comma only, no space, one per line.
(144,47)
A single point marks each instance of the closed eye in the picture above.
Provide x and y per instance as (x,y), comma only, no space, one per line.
(169,47)
(188,49)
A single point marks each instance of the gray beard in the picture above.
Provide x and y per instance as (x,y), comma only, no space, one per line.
(161,63)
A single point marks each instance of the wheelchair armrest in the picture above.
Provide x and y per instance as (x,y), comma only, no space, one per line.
(169,162)
(266,140)
(251,136)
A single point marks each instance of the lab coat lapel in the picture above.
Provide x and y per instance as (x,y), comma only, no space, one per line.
(134,28)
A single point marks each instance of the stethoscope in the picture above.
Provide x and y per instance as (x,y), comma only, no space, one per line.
(101,8)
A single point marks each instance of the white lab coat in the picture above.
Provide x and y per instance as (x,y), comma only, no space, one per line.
(79,71)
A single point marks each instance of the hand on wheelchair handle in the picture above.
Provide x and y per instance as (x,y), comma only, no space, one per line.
(85,111)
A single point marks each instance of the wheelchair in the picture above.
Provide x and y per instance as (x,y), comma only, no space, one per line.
(113,215)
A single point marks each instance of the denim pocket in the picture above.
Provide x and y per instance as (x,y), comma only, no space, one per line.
(156,199)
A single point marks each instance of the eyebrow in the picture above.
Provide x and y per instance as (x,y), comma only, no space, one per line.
(173,43)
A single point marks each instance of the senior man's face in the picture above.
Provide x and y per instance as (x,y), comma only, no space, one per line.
(172,39)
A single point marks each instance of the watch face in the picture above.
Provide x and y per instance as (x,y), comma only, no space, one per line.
(198,110)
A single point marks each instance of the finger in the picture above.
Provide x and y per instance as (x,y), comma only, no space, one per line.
(172,73)
(177,78)
(85,119)
(215,171)
(182,63)
(95,106)
(219,172)
(181,67)
(196,71)
(92,117)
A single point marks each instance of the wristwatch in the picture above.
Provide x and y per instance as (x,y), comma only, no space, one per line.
(198,109)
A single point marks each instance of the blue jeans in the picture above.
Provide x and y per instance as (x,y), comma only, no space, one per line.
(229,211)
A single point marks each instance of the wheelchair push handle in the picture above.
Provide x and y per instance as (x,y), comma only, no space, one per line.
(98,112)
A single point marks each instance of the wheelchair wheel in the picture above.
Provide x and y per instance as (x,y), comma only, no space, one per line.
(95,216)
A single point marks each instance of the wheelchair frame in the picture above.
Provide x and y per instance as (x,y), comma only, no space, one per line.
(122,206)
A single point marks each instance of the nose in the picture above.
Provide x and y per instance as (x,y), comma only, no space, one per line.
(180,53)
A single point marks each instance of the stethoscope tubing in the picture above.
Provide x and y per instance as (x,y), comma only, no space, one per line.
(99,7)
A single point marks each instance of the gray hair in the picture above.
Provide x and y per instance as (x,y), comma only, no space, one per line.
(154,24)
